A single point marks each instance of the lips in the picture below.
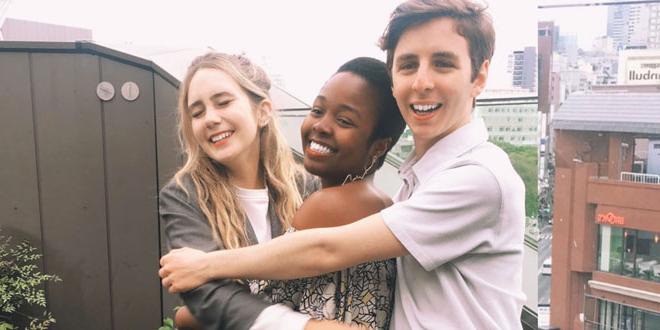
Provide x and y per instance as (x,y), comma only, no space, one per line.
(425,108)
(320,149)
(221,137)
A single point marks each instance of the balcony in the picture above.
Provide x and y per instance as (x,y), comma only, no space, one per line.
(640,177)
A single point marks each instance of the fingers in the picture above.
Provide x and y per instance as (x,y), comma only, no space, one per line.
(169,284)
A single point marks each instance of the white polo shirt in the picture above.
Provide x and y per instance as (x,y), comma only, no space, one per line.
(461,215)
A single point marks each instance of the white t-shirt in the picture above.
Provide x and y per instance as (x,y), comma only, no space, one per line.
(278,316)
(255,205)
(461,215)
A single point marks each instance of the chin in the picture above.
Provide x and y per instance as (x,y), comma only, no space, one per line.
(312,169)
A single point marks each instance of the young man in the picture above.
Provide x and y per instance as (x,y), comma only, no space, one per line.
(457,225)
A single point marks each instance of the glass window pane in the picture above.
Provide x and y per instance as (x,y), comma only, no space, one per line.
(654,254)
(650,321)
(610,249)
(645,261)
(629,262)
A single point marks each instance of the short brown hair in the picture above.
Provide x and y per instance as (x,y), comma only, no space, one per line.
(472,22)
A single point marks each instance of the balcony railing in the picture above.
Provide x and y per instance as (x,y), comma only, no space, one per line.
(640,177)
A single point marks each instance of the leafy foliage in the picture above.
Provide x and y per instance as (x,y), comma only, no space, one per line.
(525,161)
(168,324)
(21,286)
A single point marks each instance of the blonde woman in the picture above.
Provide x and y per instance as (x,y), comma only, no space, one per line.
(239,185)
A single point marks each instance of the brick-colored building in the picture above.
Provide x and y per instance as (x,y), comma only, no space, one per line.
(606,248)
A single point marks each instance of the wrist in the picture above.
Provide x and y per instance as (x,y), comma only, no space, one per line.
(206,269)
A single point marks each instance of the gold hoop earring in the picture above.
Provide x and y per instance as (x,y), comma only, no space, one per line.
(350,178)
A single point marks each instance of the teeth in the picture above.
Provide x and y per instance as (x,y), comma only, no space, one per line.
(425,107)
(219,137)
(319,148)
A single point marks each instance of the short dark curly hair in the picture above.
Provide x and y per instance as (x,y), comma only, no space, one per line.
(390,123)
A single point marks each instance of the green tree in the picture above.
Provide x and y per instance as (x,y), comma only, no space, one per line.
(525,161)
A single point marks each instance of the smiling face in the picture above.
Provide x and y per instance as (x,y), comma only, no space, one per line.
(336,131)
(223,120)
(431,75)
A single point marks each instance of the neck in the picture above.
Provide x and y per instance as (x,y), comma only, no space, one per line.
(333,182)
(423,145)
(248,176)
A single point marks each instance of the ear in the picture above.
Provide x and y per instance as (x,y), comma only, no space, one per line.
(264,113)
(379,147)
(479,82)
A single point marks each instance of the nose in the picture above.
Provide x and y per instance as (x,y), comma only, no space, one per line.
(212,118)
(423,80)
(322,125)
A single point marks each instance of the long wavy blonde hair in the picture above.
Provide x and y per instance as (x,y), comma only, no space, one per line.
(215,195)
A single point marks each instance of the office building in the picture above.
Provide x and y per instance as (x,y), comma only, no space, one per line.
(606,237)
(522,67)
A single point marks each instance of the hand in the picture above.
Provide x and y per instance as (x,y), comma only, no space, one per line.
(332,325)
(184,320)
(183,269)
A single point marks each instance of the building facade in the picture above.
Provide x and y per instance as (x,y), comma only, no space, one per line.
(522,66)
(606,233)
(639,67)
(635,26)
(21,30)
(510,117)
(546,32)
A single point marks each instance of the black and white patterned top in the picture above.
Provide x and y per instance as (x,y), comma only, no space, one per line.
(360,295)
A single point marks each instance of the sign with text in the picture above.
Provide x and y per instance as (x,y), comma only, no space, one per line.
(639,67)
(610,219)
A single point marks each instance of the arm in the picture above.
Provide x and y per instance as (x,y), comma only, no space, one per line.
(316,251)
(456,213)
(222,304)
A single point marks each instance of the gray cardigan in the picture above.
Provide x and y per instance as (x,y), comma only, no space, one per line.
(221,304)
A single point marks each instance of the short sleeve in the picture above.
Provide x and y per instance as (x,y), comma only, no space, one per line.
(452,213)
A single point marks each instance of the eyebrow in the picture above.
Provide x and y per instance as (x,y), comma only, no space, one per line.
(405,57)
(447,55)
(450,56)
(342,107)
(215,96)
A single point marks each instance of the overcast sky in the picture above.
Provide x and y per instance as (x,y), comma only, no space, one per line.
(304,41)
(586,23)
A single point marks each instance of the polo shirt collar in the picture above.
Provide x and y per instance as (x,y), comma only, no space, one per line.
(451,146)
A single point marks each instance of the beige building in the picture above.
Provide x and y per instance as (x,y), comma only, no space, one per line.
(639,67)
(510,115)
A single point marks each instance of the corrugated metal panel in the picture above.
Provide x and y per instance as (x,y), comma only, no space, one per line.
(131,203)
(69,131)
(87,192)
(19,195)
(170,159)
(610,112)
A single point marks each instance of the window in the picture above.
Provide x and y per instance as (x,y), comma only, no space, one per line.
(629,252)
(610,249)
(604,314)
